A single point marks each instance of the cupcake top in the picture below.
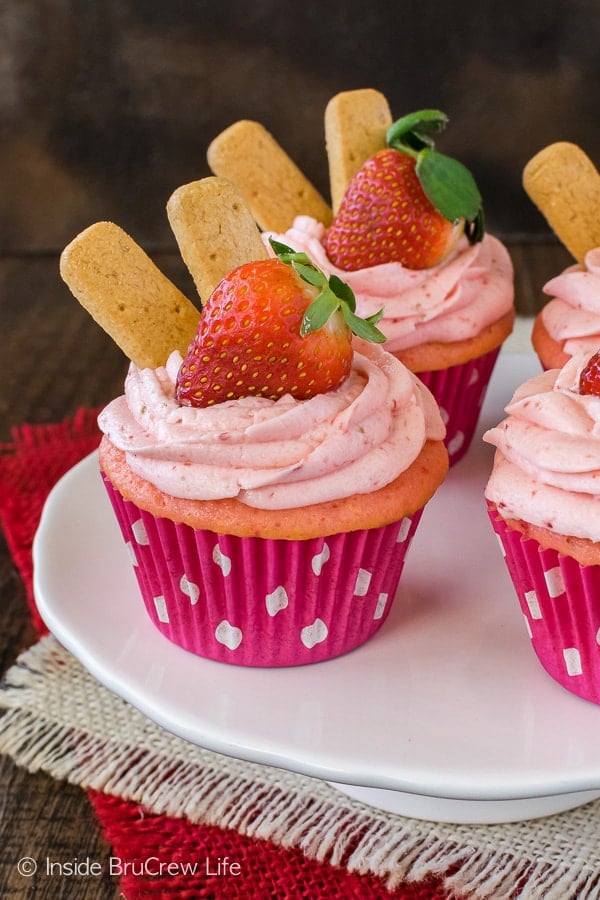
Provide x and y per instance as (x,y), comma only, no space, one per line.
(451,301)
(275,454)
(406,229)
(277,395)
(573,313)
(547,465)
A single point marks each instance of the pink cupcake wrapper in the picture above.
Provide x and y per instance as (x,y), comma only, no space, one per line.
(460,392)
(260,602)
(560,600)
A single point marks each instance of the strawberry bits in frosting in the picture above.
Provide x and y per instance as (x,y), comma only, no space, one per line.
(547,465)
(572,316)
(451,301)
(278,454)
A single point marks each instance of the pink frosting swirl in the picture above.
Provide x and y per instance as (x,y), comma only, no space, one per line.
(573,313)
(276,454)
(547,470)
(455,300)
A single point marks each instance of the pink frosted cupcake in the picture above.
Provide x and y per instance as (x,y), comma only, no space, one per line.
(544,504)
(272,533)
(569,323)
(269,461)
(408,236)
(269,482)
(564,184)
(446,323)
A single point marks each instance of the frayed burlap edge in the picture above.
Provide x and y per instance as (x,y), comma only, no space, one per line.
(58,719)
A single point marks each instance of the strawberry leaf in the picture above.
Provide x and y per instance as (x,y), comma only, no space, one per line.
(335,295)
(282,250)
(414,132)
(343,290)
(364,328)
(449,186)
(310,273)
(447,183)
(476,229)
(319,311)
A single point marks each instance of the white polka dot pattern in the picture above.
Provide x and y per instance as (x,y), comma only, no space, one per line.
(560,601)
(139,533)
(554,581)
(404,530)
(131,553)
(314,634)
(319,560)
(277,601)
(381,605)
(363,580)
(189,588)
(221,560)
(533,604)
(161,608)
(572,658)
(261,602)
(228,635)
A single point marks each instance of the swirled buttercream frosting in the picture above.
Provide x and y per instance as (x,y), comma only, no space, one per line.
(573,313)
(547,464)
(455,300)
(276,454)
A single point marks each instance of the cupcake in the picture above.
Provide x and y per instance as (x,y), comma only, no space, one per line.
(407,234)
(543,499)
(565,186)
(267,484)
(569,323)
(446,323)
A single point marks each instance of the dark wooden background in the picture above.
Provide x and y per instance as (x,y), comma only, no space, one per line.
(106,107)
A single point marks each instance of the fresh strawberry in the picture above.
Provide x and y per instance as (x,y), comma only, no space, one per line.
(273,327)
(589,379)
(407,204)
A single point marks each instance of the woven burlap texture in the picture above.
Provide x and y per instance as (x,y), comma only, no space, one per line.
(58,719)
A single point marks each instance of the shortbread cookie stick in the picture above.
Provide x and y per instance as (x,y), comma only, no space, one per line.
(215,230)
(127,295)
(565,186)
(356,123)
(274,187)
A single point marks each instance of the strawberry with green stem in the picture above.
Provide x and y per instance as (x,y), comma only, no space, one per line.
(407,203)
(273,327)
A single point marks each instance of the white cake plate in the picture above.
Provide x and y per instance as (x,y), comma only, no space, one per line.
(445,714)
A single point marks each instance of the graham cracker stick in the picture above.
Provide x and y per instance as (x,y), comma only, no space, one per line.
(129,297)
(356,123)
(274,187)
(565,186)
(215,230)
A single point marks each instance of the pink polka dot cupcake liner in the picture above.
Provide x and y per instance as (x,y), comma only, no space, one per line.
(460,392)
(259,602)
(560,601)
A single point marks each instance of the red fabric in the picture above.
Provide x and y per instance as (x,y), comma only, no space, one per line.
(263,870)
(219,864)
